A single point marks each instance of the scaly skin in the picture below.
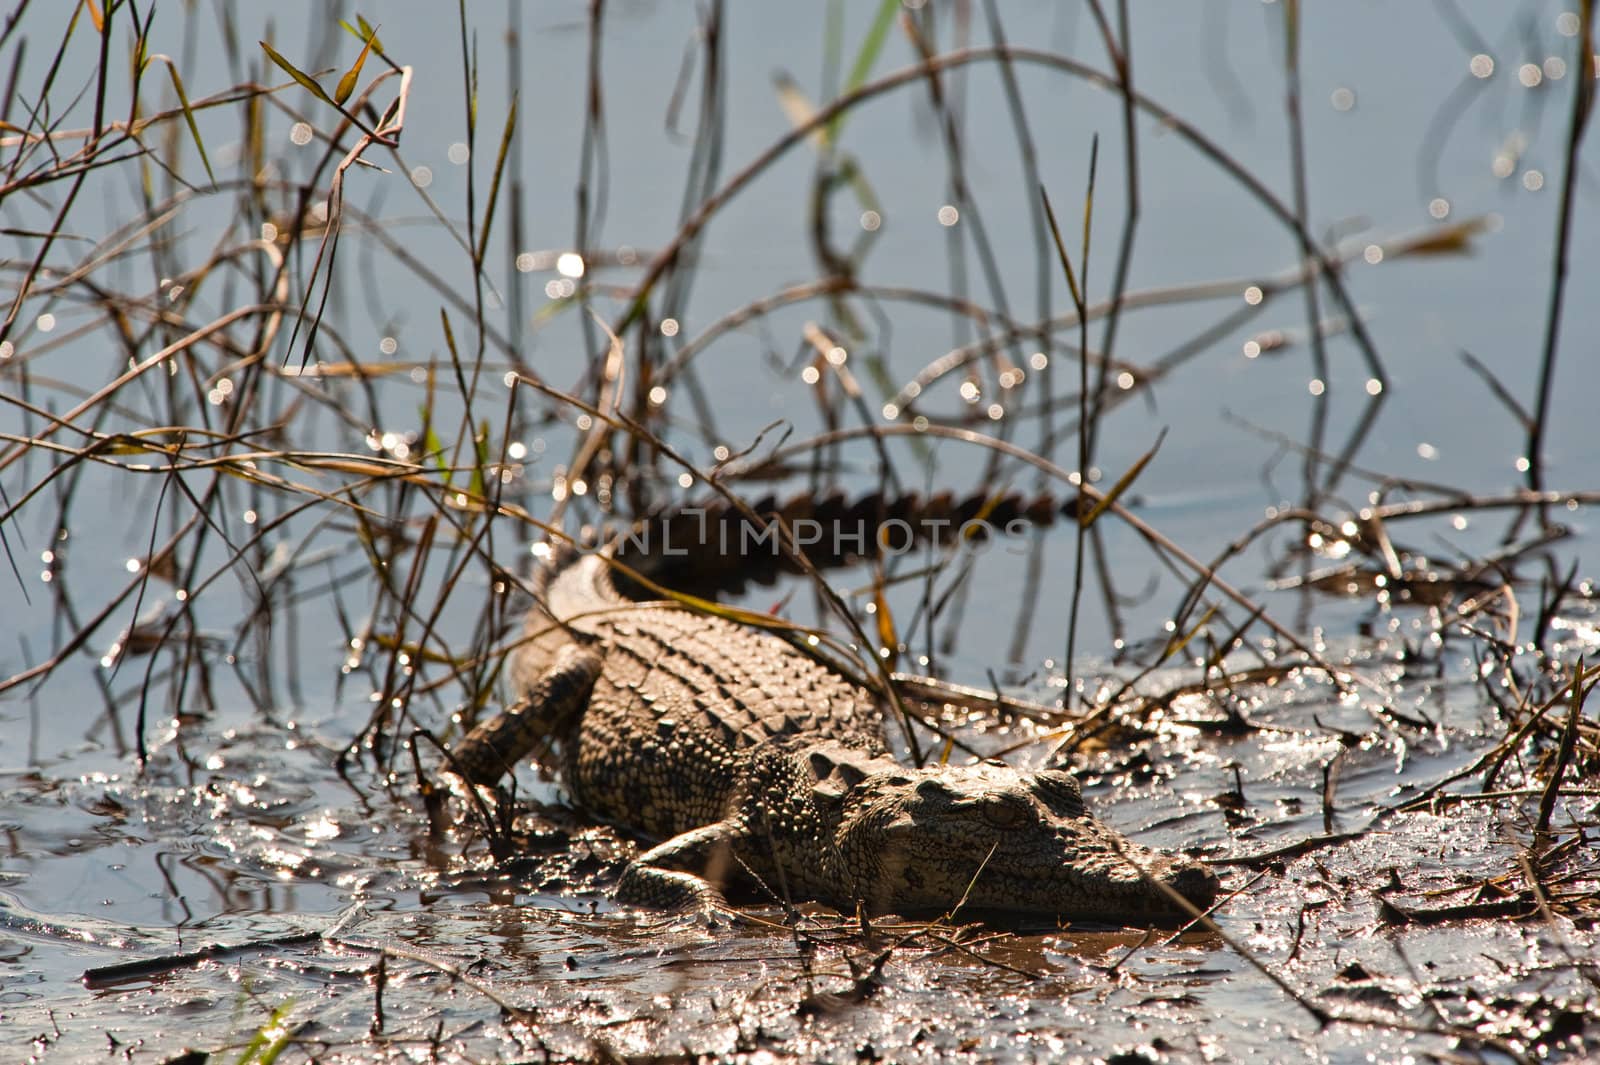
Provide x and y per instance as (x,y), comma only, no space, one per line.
(754,762)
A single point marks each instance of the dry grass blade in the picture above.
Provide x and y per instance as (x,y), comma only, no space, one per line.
(1124,482)
(814,321)
(1080,301)
(1583,87)
(347,82)
(1061,250)
(188,111)
(1569,736)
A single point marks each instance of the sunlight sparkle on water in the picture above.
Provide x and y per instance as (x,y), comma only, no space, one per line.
(322,828)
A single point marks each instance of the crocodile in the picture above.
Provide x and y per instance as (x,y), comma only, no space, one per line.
(749,761)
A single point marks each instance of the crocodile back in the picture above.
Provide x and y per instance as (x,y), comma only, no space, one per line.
(679,695)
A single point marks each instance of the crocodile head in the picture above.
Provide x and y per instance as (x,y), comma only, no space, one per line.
(1004,841)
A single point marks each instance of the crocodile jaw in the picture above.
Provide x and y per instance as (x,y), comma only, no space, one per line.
(994,839)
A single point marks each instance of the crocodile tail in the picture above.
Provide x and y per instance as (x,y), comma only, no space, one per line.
(716,546)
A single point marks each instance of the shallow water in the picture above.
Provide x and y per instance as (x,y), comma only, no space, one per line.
(238,840)
(240,831)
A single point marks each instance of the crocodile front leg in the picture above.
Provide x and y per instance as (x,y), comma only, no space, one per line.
(494,748)
(649,882)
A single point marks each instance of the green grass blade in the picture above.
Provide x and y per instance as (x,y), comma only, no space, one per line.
(866,57)
(306,81)
(1123,483)
(188,114)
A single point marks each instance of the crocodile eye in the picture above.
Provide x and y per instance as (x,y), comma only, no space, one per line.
(1059,791)
(1002,813)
